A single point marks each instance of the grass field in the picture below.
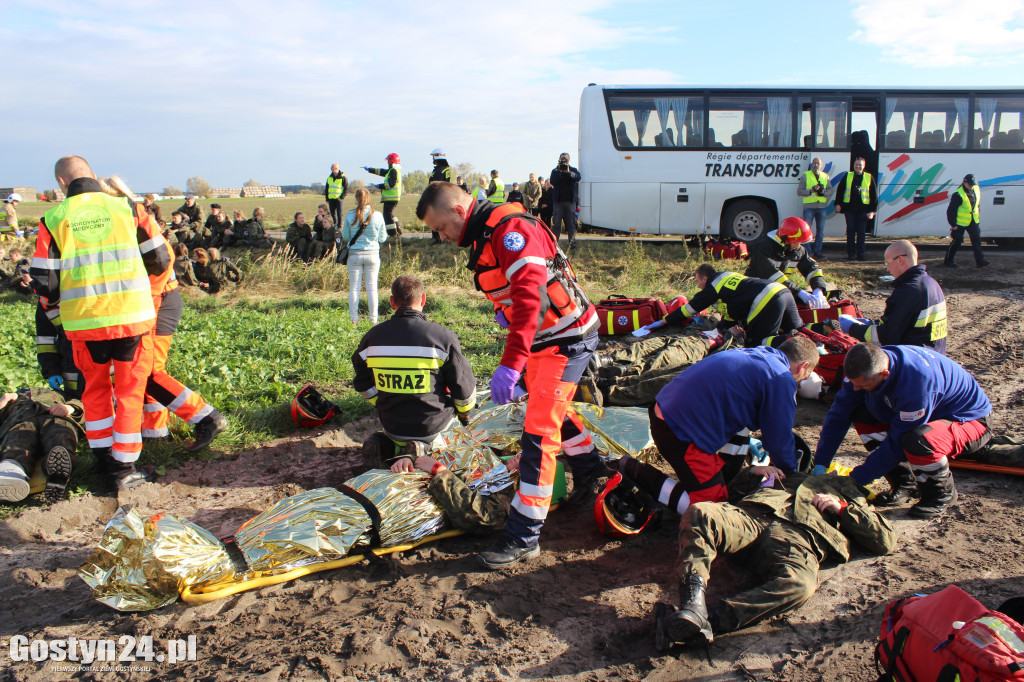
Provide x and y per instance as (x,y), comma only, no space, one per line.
(249,350)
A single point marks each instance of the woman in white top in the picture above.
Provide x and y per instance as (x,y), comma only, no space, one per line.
(364,254)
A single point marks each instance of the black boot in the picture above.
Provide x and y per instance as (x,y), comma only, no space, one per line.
(378,451)
(207,429)
(689,625)
(123,474)
(585,487)
(937,492)
(507,553)
(902,488)
(57,465)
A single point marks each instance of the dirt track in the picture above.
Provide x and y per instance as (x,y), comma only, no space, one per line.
(580,612)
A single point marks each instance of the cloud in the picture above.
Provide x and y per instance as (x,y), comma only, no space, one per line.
(253,88)
(943,33)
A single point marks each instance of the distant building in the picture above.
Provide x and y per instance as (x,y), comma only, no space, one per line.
(269,191)
(27,193)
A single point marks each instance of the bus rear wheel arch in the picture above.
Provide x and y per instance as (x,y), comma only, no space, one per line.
(747,220)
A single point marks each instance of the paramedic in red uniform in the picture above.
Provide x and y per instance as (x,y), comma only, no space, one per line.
(552,336)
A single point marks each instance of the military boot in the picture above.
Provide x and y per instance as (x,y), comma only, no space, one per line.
(937,492)
(57,465)
(689,625)
(902,488)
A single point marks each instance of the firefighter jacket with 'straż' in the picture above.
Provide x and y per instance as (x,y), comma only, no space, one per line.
(747,388)
(95,255)
(922,387)
(736,297)
(774,261)
(519,267)
(414,372)
(915,314)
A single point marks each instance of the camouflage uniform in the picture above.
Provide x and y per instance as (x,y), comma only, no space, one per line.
(468,510)
(28,431)
(299,237)
(185,274)
(787,537)
(252,235)
(650,363)
(222,272)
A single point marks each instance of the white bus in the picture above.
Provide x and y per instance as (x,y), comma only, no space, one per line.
(660,160)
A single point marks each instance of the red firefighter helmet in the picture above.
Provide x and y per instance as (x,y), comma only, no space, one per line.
(310,409)
(795,230)
(622,509)
(392,158)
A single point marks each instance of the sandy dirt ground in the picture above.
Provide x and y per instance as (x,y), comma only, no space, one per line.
(582,611)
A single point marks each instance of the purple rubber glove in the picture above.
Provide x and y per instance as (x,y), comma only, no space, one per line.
(503,384)
(500,318)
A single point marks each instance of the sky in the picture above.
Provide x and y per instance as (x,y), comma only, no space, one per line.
(230,90)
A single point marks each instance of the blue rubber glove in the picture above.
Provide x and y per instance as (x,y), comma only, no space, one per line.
(503,384)
(500,318)
(380,185)
(56,382)
(366,168)
(846,322)
(818,470)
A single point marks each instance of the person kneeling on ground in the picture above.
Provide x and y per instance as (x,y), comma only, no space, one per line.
(183,270)
(37,423)
(415,374)
(908,404)
(789,531)
(781,253)
(467,509)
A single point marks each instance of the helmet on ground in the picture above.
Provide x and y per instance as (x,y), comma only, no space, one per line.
(392,158)
(310,409)
(795,230)
(14,196)
(437,152)
(622,509)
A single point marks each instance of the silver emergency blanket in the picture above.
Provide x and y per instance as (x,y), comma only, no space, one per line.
(143,561)
(617,431)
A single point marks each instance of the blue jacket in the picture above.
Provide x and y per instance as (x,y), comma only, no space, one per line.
(722,394)
(923,386)
(373,236)
(915,314)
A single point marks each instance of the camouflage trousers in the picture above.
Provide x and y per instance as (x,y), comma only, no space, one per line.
(28,441)
(651,364)
(783,553)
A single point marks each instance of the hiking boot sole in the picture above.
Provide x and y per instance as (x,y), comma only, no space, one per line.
(57,467)
(682,629)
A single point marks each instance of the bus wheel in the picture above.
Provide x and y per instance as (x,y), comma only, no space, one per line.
(747,220)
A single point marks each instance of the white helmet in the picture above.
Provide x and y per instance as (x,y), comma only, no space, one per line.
(14,196)
(437,152)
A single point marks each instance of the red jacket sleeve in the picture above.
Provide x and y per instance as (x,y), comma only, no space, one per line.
(522,249)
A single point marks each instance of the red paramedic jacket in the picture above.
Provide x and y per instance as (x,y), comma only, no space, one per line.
(519,267)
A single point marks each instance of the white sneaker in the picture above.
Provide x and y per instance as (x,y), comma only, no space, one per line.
(13,482)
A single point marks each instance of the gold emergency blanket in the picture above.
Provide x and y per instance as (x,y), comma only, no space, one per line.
(144,561)
(617,431)
(325,524)
(467,453)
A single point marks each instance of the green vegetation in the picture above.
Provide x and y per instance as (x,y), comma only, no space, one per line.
(249,350)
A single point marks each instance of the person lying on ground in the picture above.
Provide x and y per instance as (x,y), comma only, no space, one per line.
(466,508)
(789,529)
(37,423)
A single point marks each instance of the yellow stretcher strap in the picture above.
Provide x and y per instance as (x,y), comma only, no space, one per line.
(220,590)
